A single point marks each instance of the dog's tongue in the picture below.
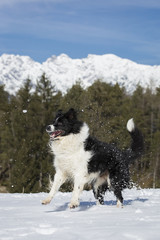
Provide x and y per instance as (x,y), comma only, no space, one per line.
(55,134)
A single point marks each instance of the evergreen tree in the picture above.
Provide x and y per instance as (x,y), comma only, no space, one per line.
(32,164)
(25,162)
(5,161)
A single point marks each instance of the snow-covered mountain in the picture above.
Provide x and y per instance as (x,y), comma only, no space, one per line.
(64,71)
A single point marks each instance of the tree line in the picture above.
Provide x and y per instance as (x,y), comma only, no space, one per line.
(26,164)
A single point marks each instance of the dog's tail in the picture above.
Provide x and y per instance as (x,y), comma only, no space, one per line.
(137,145)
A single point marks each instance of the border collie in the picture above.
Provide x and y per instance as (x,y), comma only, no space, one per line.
(84,159)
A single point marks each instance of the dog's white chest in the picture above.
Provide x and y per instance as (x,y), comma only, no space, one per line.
(70,155)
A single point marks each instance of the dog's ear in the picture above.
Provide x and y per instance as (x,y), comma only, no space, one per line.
(71,114)
(59,113)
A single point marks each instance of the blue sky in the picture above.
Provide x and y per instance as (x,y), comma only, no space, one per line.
(42,28)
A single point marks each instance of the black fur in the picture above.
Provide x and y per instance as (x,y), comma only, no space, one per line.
(108,156)
(67,122)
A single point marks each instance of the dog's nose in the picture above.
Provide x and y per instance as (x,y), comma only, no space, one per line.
(48,128)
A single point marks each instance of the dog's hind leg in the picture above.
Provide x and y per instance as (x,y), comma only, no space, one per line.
(100,186)
(99,193)
(119,197)
(59,179)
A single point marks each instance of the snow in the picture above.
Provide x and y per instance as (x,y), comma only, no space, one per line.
(64,71)
(24,111)
(23,217)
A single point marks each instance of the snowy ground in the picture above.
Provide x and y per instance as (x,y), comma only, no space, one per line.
(23,217)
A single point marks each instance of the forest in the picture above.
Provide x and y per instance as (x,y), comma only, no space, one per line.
(26,164)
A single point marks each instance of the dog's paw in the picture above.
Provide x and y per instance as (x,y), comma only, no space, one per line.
(98,203)
(119,204)
(73,204)
(46,201)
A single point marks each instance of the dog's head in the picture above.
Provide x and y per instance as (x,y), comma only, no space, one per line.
(64,124)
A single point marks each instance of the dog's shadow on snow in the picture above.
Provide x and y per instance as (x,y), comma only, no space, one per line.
(87,205)
(126,202)
(84,206)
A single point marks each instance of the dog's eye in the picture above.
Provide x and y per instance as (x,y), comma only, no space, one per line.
(59,123)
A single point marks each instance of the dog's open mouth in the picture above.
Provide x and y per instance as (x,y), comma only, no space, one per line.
(56,134)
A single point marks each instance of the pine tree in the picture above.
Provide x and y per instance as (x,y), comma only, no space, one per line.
(5,161)
(32,163)
(25,162)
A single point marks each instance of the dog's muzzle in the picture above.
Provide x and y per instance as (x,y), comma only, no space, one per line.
(54,134)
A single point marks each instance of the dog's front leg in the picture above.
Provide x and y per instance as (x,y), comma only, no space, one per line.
(78,188)
(59,179)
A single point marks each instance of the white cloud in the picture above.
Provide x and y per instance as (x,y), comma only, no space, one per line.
(143,3)
(56,27)
(78,21)
(4,3)
(129,3)
(99,3)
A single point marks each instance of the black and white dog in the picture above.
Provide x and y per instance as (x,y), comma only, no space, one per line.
(84,159)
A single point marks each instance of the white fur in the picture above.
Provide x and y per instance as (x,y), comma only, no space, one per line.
(70,162)
(130,125)
(51,128)
(119,204)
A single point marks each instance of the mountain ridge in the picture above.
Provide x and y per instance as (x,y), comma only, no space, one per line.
(64,71)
